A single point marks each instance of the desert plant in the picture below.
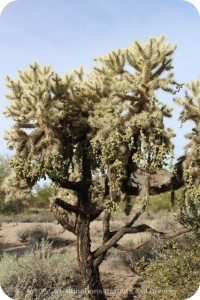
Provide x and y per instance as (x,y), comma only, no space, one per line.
(7,207)
(140,257)
(33,236)
(190,202)
(42,195)
(174,274)
(23,235)
(57,242)
(38,275)
(163,202)
(37,235)
(101,138)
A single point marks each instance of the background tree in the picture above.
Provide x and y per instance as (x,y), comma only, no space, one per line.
(190,205)
(9,201)
(16,194)
(42,195)
(4,171)
(92,135)
(4,167)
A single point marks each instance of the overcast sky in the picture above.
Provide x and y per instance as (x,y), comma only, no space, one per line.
(68,34)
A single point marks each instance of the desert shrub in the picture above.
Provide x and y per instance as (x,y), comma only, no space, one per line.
(147,252)
(163,202)
(174,274)
(59,242)
(36,235)
(163,221)
(33,236)
(23,235)
(9,208)
(42,216)
(143,255)
(189,215)
(38,275)
(42,195)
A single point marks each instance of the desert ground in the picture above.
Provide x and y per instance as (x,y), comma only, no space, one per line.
(117,275)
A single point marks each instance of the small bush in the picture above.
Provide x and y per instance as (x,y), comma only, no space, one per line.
(190,213)
(38,275)
(174,274)
(144,254)
(57,242)
(10,207)
(163,202)
(23,235)
(33,236)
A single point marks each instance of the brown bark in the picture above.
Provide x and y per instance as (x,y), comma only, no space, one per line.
(86,211)
(89,271)
(62,217)
(89,261)
(106,236)
(115,236)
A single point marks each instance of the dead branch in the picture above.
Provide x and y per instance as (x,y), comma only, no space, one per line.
(117,235)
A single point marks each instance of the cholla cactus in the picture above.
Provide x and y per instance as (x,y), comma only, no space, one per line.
(128,118)
(49,118)
(190,212)
(91,136)
(16,191)
(114,114)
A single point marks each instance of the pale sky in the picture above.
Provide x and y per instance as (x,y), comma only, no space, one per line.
(67,34)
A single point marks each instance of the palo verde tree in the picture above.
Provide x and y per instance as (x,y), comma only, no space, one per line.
(90,135)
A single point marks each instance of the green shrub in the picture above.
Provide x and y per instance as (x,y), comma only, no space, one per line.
(189,215)
(42,195)
(143,255)
(163,202)
(12,207)
(38,275)
(174,274)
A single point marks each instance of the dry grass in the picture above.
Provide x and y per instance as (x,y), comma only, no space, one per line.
(38,216)
(39,275)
